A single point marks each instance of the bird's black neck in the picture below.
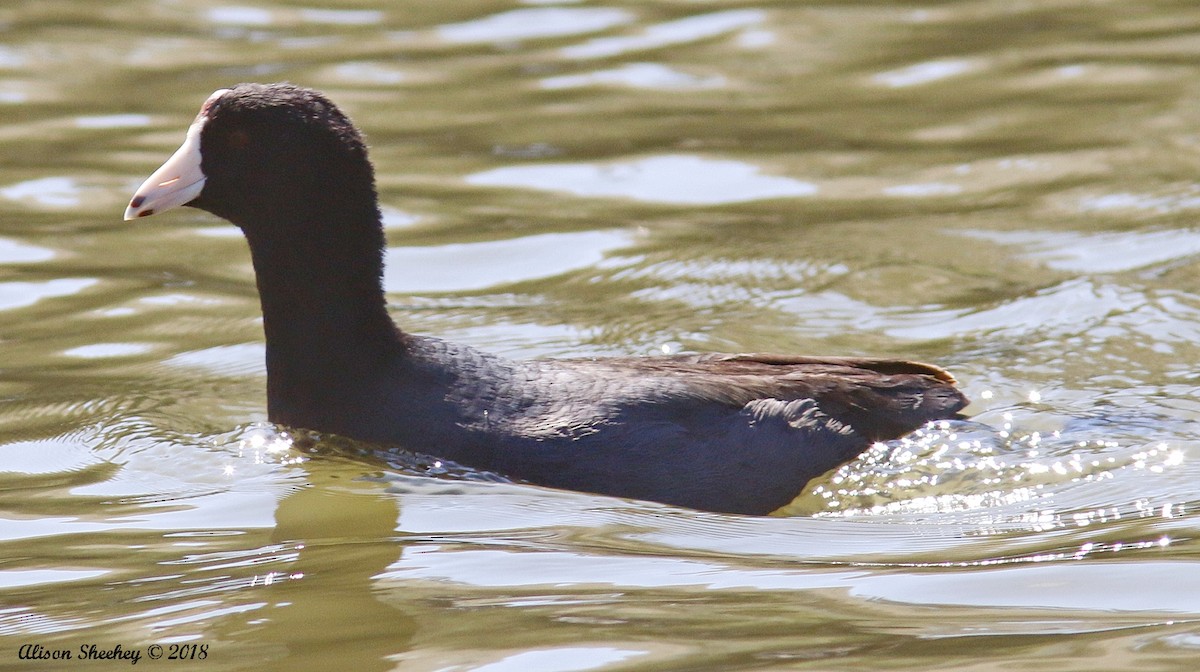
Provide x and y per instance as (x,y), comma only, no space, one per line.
(328,333)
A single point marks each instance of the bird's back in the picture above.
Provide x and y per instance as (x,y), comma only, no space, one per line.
(735,433)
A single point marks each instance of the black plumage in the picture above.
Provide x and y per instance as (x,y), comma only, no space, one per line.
(735,433)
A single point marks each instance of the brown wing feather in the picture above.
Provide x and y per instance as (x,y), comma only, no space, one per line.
(880,398)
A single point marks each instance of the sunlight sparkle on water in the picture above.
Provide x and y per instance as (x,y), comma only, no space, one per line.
(265,445)
(995,479)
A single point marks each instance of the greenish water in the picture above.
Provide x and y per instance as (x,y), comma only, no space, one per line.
(1007,189)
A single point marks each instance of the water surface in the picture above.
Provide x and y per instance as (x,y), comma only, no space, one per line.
(1008,190)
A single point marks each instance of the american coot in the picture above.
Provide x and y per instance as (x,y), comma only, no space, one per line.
(735,433)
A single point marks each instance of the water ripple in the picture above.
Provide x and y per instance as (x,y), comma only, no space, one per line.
(654,76)
(1107,252)
(679,31)
(475,266)
(537,23)
(675,180)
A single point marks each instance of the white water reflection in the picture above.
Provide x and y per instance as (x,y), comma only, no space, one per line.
(1107,252)
(755,38)
(178,299)
(113,121)
(1143,202)
(251,507)
(1072,307)
(523,340)
(393,218)
(1148,586)
(238,360)
(925,73)
(240,16)
(342,17)
(18,294)
(565,659)
(495,507)
(654,76)
(20,578)
(51,192)
(680,31)
(13,252)
(681,180)
(525,24)
(923,190)
(220,231)
(1158,320)
(106,350)
(11,58)
(1107,586)
(473,266)
(1041,311)
(45,456)
(149,485)
(367,72)
(828,311)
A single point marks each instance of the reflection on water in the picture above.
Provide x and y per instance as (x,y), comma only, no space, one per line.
(20,294)
(686,180)
(112,121)
(1153,587)
(997,480)
(259,16)
(534,23)
(96,350)
(654,76)
(1006,190)
(34,577)
(54,192)
(13,252)
(1110,252)
(924,73)
(474,266)
(242,359)
(656,36)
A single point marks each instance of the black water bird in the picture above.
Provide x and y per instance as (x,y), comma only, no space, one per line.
(738,433)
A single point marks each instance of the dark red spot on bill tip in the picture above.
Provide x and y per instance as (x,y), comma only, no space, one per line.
(137,202)
(146,213)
